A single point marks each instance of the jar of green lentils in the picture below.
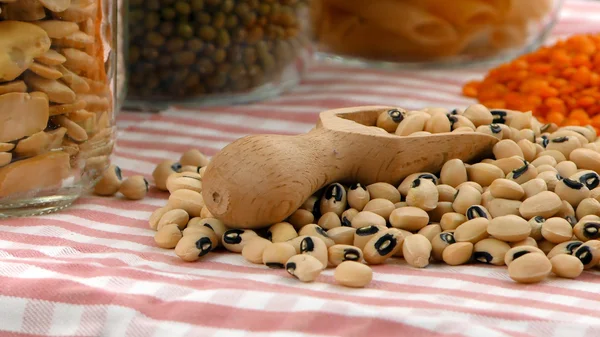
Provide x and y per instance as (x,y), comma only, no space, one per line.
(214,51)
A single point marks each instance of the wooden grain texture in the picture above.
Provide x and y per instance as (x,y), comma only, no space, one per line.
(260,180)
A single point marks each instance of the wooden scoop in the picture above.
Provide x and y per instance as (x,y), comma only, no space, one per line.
(260,180)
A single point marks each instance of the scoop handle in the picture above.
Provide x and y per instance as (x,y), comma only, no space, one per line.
(260,180)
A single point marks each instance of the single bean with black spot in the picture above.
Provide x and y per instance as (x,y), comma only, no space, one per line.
(382,245)
(340,253)
(305,268)
(235,239)
(490,251)
(276,255)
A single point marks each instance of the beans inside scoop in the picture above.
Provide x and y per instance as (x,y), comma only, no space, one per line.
(533,207)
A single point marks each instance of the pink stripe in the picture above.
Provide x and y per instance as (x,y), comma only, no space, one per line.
(117,204)
(152,145)
(271,112)
(216,138)
(206,314)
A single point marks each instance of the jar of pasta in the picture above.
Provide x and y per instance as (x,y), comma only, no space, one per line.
(425,32)
(214,51)
(57,101)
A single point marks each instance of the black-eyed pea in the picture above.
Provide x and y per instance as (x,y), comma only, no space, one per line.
(134,187)
(277,254)
(301,218)
(595,193)
(329,220)
(364,234)
(190,168)
(557,155)
(314,246)
(587,230)
(549,127)
(472,231)
(557,230)
(417,250)
(406,184)
(190,201)
(500,207)
(446,192)
(530,268)
(334,199)
(588,253)
(235,239)
(214,224)
(347,216)
(162,171)
(192,247)
(506,148)
(423,194)
(545,204)
(436,214)
(527,146)
(461,123)
(384,191)
(484,174)
(421,133)
(567,247)
(281,232)
(544,168)
(590,179)
(430,231)
(295,242)
(401,204)
(520,121)
(156,215)
(569,134)
(545,245)
(564,145)
(509,228)
(566,266)
(110,182)
(527,242)
(440,242)
(465,197)
(439,123)
(509,164)
(551,179)
(479,115)
(452,220)
(316,231)
(458,253)
(305,268)
(486,198)
(411,124)
(572,220)
(342,235)
(523,174)
(518,252)
(404,233)
(174,216)
(587,206)
(358,196)
(566,168)
(493,130)
(409,218)
(453,173)
(184,180)
(380,206)
(490,251)
(533,187)
(168,236)
(205,213)
(193,157)
(572,191)
(592,146)
(389,120)
(366,218)
(506,189)
(312,205)
(544,160)
(341,253)
(477,211)
(201,171)
(588,132)
(353,274)
(536,227)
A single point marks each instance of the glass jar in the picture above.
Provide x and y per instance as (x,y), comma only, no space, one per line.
(57,101)
(214,51)
(416,33)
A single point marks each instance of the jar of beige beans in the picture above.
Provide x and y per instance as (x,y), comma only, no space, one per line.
(57,100)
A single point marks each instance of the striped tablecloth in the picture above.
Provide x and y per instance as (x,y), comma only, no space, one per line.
(94,270)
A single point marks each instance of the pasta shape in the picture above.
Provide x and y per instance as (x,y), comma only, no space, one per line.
(402,19)
(522,11)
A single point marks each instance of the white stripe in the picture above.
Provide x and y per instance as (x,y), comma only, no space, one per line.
(66,319)
(12,311)
(126,213)
(118,320)
(138,166)
(178,140)
(157,154)
(91,224)
(394,90)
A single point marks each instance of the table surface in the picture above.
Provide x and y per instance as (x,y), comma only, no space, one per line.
(94,269)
